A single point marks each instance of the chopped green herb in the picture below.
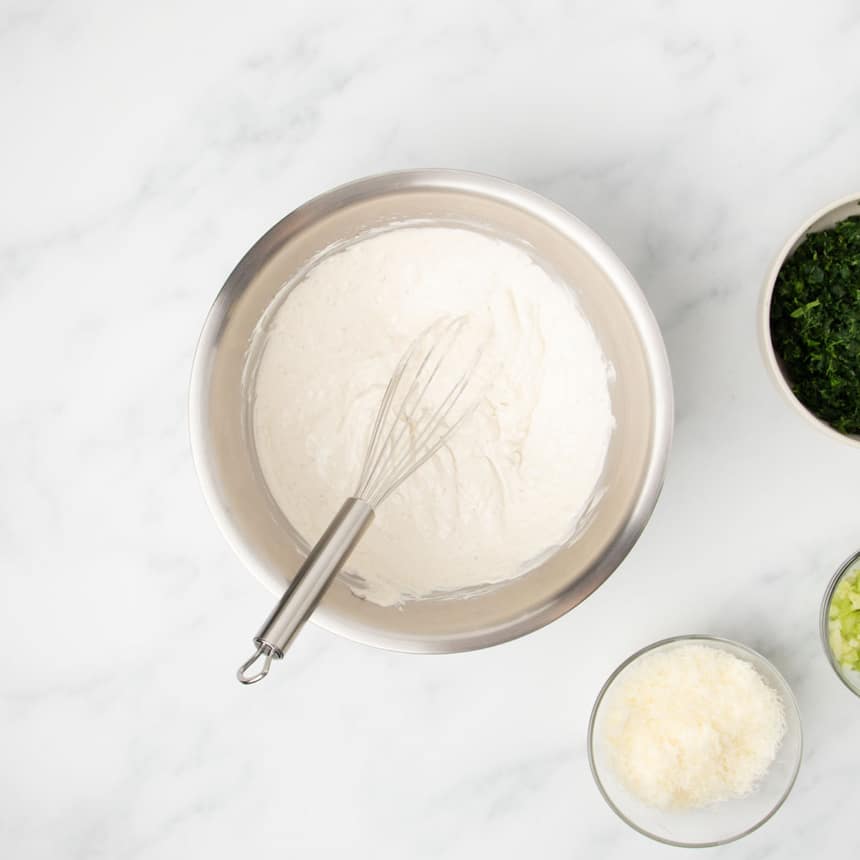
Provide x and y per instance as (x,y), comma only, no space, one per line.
(815,323)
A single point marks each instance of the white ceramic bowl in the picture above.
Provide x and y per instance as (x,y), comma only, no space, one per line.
(821,220)
(723,822)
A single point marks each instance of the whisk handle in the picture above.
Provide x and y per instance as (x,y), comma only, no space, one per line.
(308,586)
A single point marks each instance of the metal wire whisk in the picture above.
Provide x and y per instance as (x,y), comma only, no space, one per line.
(422,407)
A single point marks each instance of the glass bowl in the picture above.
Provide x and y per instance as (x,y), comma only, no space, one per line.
(849,677)
(722,822)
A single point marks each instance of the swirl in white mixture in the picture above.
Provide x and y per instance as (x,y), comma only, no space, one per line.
(514,480)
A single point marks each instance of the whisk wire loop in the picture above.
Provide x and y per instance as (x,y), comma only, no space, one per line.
(406,434)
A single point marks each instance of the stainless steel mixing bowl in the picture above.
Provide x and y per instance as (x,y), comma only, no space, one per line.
(222,440)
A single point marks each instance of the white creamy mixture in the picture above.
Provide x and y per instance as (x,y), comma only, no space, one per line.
(511,484)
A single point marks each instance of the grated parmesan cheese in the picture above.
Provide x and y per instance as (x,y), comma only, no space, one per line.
(692,725)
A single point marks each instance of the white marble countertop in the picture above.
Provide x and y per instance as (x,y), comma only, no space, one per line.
(144,148)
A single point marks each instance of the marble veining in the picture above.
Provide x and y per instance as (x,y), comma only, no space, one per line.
(145,147)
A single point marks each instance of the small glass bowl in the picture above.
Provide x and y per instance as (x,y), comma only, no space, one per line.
(849,677)
(723,822)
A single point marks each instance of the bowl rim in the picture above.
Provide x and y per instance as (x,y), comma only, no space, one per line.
(719,641)
(772,362)
(823,618)
(661,427)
